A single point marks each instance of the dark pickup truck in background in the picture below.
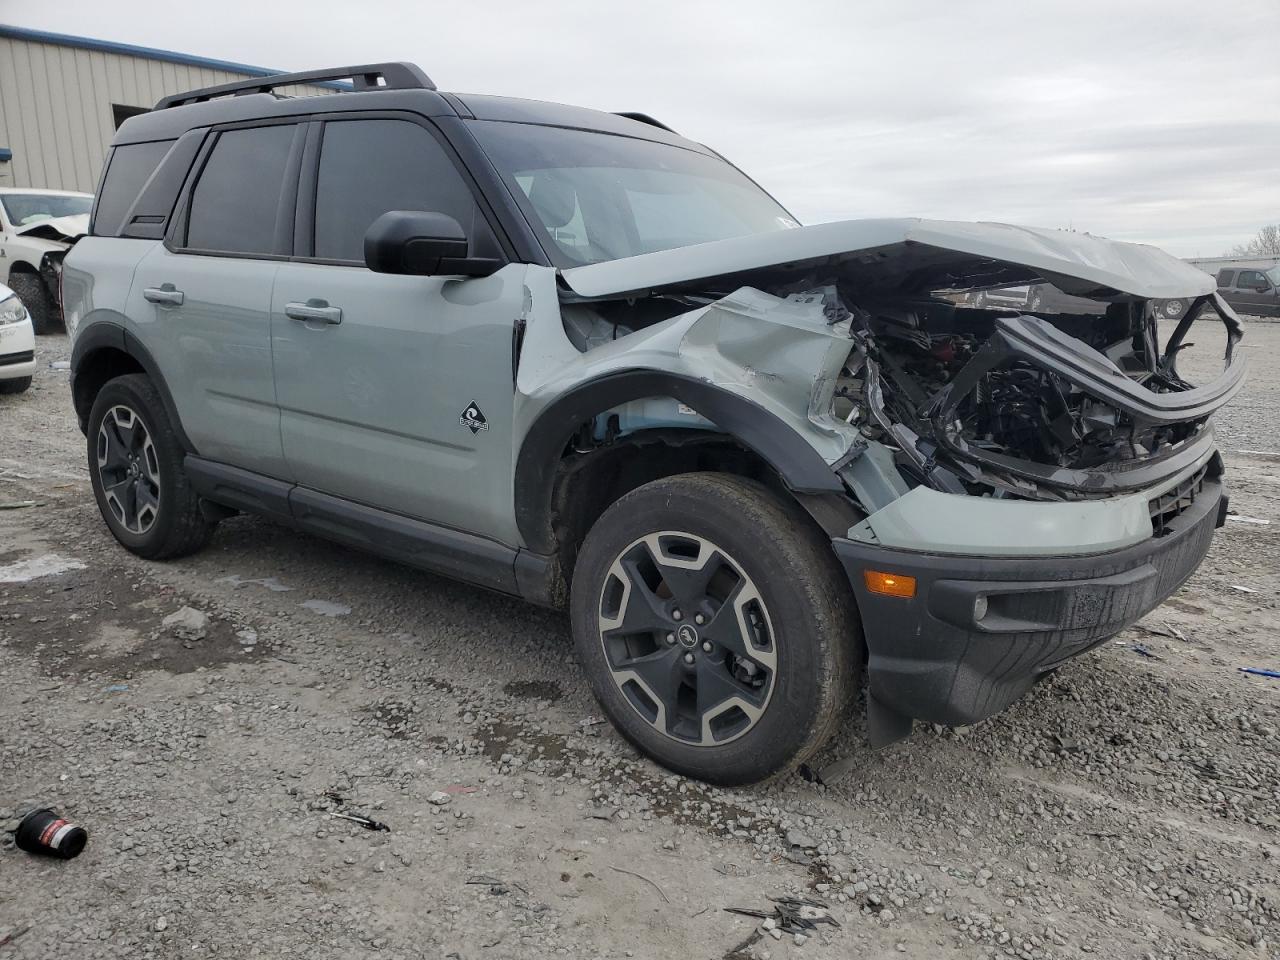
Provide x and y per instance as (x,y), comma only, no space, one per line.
(1251,290)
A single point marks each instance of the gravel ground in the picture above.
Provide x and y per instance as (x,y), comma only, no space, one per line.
(1128,807)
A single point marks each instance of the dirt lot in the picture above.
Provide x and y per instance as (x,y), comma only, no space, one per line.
(1129,807)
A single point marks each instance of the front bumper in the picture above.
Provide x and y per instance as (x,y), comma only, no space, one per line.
(930,659)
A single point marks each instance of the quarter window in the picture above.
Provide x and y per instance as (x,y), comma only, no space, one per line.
(236,201)
(368,167)
(130,166)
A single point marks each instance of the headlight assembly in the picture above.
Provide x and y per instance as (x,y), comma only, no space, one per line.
(12,311)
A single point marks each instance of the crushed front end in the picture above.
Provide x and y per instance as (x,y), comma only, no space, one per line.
(1062,478)
(1023,482)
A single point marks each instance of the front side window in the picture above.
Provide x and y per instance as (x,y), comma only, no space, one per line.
(370,167)
(1251,278)
(236,201)
(601,197)
(26,209)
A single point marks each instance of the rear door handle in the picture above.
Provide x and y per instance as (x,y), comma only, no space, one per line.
(313,310)
(164,294)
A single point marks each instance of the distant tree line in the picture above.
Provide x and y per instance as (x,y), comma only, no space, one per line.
(1265,243)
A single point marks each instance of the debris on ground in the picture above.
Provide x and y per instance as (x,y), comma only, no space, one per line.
(17,504)
(1259,672)
(367,822)
(640,876)
(44,831)
(1240,519)
(1142,650)
(439,798)
(497,887)
(327,608)
(796,917)
(1236,586)
(186,623)
(10,937)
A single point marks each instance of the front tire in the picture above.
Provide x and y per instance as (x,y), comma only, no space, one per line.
(715,627)
(136,467)
(15,385)
(31,291)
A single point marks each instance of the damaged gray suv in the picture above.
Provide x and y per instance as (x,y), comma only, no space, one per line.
(573,357)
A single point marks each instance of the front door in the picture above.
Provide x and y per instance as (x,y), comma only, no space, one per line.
(1252,288)
(395,391)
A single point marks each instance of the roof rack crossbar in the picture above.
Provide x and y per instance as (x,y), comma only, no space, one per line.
(369,76)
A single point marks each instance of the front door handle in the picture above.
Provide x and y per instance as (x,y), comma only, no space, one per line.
(165,294)
(313,310)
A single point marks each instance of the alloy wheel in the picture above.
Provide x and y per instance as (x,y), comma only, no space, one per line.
(129,470)
(687,638)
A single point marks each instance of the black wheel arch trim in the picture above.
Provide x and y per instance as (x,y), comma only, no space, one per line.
(801,468)
(108,335)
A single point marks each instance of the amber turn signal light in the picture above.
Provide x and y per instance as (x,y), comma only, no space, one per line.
(890,584)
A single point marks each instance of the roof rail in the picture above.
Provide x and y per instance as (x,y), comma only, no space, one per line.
(644,118)
(393,76)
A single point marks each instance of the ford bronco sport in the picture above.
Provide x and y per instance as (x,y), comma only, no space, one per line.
(575,357)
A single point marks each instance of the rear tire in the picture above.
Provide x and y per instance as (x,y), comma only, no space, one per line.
(31,291)
(136,467)
(715,626)
(15,385)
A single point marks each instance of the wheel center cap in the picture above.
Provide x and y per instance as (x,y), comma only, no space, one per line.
(687,636)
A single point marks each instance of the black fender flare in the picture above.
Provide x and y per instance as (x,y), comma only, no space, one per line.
(801,468)
(108,335)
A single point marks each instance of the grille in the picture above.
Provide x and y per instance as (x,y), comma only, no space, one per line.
(1168,505)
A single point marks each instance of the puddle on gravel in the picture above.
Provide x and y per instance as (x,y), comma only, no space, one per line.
(547,690)
(103,621)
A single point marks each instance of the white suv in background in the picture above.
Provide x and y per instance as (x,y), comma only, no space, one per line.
(37,228)
(17,344)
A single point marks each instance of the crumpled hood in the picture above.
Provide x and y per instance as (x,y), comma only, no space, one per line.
(926,253)
(58,229)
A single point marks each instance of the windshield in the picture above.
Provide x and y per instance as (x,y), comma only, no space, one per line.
(24,209)
(601,197)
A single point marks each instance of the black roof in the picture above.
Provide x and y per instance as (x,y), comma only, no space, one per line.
(389,86)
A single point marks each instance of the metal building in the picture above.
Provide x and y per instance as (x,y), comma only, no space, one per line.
(62,98)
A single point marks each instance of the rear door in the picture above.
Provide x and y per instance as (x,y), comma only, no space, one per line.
(201,302)
(399,394)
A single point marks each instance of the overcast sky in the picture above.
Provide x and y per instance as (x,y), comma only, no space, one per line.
(1152,121)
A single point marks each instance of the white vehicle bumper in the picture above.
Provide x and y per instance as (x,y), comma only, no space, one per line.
(17,350)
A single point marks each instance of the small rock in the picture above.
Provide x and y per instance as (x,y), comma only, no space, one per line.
(186,623)
(162,924)
(439,798)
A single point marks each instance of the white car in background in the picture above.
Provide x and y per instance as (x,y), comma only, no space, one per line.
(17,344)
(37,228)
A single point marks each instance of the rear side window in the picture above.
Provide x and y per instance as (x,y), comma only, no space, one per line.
(368,167)
(1224,277)
(130,167)
(236,201)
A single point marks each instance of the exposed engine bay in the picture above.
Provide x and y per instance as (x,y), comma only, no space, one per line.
(999,403)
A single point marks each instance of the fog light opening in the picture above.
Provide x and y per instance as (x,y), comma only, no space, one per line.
(980,606)
(890,584)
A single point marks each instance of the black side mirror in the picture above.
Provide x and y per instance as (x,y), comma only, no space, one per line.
(422,244)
